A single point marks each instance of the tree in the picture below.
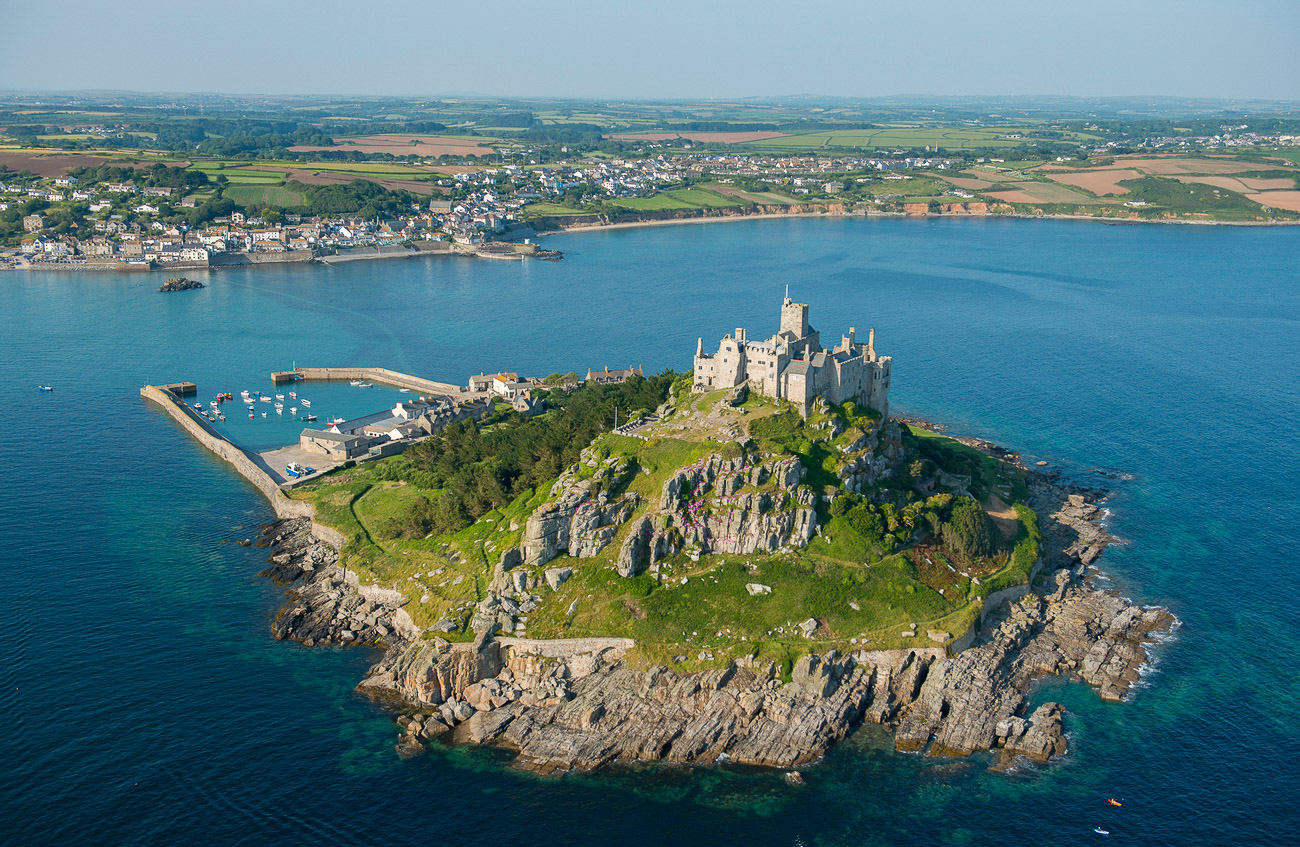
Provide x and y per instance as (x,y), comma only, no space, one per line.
(970,530)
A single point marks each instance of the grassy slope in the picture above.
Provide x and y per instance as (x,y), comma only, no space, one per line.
(710,614)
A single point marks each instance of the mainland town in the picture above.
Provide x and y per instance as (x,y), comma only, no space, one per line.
(139,215)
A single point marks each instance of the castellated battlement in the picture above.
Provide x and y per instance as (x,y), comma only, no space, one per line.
(793,366)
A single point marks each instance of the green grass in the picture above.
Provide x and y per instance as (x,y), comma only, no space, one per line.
(541,209)
(264,195)
(680,198)
(994,476)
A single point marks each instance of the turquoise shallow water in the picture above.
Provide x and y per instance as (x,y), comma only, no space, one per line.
(144,701)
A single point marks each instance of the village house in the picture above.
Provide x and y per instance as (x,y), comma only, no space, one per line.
(608,377)
(483,382)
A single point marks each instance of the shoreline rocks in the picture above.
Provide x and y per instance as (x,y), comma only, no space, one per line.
(180,283)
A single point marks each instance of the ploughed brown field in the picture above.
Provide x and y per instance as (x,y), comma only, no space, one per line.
(405,145)
(1289,200)
(1099,182)
(706,137)
(1174,165)
(48,164)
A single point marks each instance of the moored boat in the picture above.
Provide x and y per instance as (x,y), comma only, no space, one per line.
(307,403)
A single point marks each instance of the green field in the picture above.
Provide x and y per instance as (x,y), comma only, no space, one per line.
(540,209)
(264,195)
(680,198)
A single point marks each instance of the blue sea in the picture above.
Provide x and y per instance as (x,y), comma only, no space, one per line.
(144,702)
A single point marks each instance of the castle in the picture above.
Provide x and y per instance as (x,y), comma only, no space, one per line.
(792,365)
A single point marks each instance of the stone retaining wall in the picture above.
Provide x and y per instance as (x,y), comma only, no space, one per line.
(204,433)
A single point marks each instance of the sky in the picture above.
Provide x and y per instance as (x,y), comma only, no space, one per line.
(666,49)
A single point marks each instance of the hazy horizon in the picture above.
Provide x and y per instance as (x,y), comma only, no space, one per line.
(725,50)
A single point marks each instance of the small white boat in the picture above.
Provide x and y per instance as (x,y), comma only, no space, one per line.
(356,382)
(307,403)
(1101,831)
(293,394)
(365,385)
(264,414)
(293,410)
(279,396)
(280,411)
(403,391)
(45,387)
(265,399)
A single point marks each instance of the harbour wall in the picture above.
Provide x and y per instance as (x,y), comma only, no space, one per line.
(206,435)
(384,375)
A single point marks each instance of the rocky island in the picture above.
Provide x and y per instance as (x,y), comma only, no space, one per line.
(759,562)
(180,283)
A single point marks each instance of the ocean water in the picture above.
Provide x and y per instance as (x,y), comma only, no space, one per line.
(143,700)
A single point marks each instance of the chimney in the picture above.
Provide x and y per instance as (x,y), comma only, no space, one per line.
(871,342)
(853,331)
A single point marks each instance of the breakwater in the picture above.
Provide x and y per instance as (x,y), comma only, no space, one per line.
(381,375)
(242,462)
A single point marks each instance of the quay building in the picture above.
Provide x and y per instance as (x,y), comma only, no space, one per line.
(793,366)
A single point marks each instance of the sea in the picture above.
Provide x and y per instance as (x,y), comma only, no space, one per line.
(143,700)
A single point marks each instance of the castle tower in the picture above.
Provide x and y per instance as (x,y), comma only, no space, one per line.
(794,318)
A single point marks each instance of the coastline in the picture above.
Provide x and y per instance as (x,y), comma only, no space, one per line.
(566,229)
(517,251)
(575,704)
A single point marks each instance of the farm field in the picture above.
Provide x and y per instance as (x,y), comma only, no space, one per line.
(408,145)
(949,138)
(681,198)
(1211,186)
(1288,200)
(1099,182)
(703,137)
(1029,191)
(264,195)
(47,164)
(761,197)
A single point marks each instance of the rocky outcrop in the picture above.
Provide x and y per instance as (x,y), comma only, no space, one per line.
(1038,739)
(580,518)
(871,458)
(180,283)
(325,606)
(1073,630)
(741,505)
